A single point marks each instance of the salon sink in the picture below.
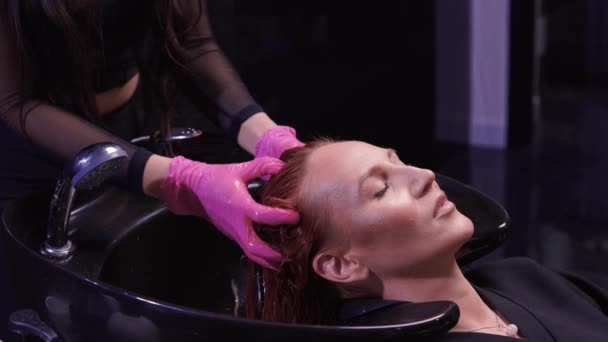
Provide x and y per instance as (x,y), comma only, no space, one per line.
(140,273)
(181,260)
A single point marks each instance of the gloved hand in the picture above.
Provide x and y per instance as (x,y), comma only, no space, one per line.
(275,141)
(218,193)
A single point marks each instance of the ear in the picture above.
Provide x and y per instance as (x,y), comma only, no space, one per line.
(338,267)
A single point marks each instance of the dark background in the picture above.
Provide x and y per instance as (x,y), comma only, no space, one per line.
(365,73)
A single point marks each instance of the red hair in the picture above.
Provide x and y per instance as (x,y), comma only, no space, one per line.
(294,293)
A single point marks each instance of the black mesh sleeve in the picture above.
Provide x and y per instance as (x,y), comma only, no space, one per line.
(59,134)
(208,65)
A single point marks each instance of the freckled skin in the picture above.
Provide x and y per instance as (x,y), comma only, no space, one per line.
(392,234)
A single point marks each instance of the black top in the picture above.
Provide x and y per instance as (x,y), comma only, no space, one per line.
(124,26)
(544,304)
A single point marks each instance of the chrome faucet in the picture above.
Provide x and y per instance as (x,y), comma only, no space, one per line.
(159,145)
(93,165)
(177,133)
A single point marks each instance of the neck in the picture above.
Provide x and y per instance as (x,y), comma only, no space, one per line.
(442,283)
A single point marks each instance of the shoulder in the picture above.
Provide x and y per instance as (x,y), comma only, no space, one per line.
(512,264)
(520,263)
(520,269)
(522,277)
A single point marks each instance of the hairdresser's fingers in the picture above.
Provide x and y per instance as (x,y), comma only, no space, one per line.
(272,216)
(264,263)
(259,252)
(259,167)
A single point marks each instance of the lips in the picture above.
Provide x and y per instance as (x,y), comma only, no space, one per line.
(441,200)
(442,205)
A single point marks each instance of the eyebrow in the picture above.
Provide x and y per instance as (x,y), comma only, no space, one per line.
(375,169)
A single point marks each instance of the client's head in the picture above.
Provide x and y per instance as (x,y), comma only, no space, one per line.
(366,219)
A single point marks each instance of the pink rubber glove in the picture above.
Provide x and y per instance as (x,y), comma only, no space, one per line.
(275,141)
(218,193)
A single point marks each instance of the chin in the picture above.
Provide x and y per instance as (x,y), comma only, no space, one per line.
(463,217)
(462,226)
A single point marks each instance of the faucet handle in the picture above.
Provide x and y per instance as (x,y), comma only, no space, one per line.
(157,144)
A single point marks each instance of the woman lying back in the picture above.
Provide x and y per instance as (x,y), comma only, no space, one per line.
(373,226)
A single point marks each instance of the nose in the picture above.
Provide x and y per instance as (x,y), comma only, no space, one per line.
(421,181)
(418,181)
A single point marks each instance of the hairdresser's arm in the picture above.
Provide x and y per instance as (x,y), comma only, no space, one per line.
(240,115)
(252,130)
(154,173)
(55,132)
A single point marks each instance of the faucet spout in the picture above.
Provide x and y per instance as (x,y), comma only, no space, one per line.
(57,245)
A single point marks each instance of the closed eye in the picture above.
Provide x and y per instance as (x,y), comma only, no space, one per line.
(381,193)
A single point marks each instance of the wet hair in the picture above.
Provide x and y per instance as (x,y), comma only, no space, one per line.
(294,293)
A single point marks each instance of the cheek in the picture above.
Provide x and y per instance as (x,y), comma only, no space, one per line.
(386,224)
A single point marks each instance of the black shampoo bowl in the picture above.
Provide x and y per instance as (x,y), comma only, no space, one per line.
(141,273)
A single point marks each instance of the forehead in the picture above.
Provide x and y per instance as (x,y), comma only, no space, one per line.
(335,169)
